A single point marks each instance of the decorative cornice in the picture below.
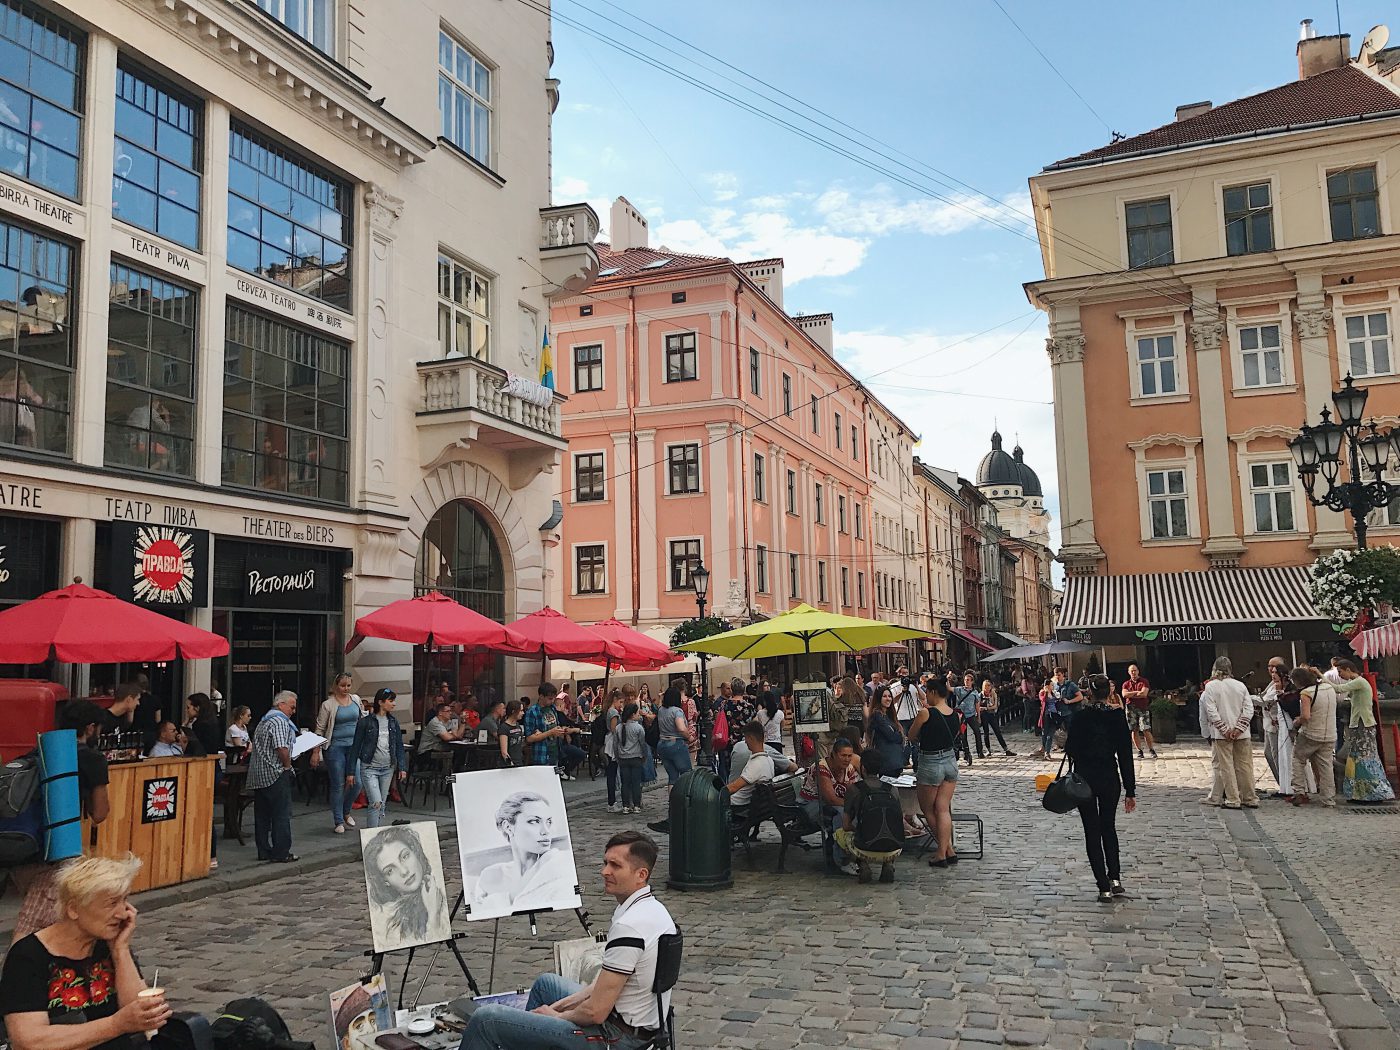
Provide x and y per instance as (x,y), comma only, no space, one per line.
(1156,440)
(1206,335)
(305,82)
(1313,322)
(1271,430)
(1065,349)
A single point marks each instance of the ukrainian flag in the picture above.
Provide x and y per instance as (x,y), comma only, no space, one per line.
(546,362)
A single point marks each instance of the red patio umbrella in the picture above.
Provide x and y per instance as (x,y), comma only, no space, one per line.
(80,625)
(640,652)
(434,619)
(547,633)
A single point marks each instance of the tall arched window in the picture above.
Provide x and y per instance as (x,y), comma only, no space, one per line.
(459,556)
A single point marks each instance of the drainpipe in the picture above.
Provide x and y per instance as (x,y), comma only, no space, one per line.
(928,564)
(745,507)
(635,523)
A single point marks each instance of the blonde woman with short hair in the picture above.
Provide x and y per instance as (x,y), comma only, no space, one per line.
(74,985)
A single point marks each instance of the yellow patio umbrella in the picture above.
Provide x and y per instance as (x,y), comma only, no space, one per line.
(800,631)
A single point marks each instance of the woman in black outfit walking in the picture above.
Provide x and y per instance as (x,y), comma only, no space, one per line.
(1100,748)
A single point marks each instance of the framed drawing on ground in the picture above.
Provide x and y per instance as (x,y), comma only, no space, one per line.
(812,707)
(513,834)
(407,892)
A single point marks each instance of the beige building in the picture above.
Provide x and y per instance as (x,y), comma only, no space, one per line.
(1209,284)
(894,518)
(939,541)
(272,305)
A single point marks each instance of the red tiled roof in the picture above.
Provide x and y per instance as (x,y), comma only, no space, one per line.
(637,262)
(1336,94)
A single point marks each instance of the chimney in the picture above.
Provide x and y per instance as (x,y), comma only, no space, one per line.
(818,327)
(1193,109)
(1318,54)
(626,227)
(1306,30)
(768,275)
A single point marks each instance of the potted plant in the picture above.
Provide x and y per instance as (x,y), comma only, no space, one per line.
(1163,711)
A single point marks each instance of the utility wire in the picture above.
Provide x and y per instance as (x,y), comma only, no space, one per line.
(1054,68)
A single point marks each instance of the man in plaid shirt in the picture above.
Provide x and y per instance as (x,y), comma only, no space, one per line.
(270,779)
(548,740)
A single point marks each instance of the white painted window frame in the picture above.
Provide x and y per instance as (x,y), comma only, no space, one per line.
(573,562)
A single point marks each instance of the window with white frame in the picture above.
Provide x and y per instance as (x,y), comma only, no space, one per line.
(794,576)
(680,357)
(1271,492)
(1368,344)
(760,479)
(819,504)
(821,581)
(1166,503)
(464,98)
(855,442)
(840,513)
(589,478)
(860,524)
(683,468)
(792,492)
(845,586)
(1156,365)
(464,310)
(860,590)
(685,557)
(760,564)
(312,20)
(588,368)
(1388,515)
(1261,355)
(590,569)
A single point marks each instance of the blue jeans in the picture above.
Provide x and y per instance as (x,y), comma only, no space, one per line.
(571,756)
(505,1028)
(339,765)
(376,781)
(675,756)
(630,771)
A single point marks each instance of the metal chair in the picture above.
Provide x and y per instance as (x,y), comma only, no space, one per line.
(669,947)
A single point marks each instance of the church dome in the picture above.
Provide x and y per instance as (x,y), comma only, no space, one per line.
(998,468)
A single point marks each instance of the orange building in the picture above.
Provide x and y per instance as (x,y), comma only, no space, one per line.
(1208,284)
(706,424)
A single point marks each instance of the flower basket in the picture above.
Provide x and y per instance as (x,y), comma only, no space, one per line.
(1346,583)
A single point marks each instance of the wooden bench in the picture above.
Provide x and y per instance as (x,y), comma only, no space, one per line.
(777,802)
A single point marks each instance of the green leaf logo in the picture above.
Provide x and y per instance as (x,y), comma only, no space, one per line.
(1271,625)
(1340,627)
(1149,636)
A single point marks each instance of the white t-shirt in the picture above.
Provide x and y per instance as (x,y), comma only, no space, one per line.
(758,769)
(236,736)
(773,727)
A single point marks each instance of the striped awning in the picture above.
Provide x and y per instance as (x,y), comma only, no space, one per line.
(1377,642)
(1250,604)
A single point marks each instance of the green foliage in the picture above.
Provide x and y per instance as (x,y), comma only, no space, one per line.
(1347,581)
(1162,706)
(695,628)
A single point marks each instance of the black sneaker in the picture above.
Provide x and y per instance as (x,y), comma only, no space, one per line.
(1116,888)
(1105,897)
(1140,755)
(1153,752)
(660,826)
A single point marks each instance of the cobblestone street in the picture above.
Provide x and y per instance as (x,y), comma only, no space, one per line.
(1218,945)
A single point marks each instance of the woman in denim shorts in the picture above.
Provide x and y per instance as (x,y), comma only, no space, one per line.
(936,728)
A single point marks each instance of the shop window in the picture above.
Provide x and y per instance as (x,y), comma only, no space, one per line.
(464,311)
(41,97)
(156,162)
(285,409)
(36,340)
(288,220)
(150,373)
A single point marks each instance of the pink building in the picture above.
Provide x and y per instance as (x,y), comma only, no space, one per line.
(747,438)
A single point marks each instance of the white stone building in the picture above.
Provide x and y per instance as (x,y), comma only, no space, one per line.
(274,281)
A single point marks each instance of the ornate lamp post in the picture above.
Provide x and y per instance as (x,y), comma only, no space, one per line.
(1319,450)
(700,580)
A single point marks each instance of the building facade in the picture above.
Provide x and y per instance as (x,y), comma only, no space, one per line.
(899,595)
(1212,281)
(1013,487)
(940,539)
(272,302)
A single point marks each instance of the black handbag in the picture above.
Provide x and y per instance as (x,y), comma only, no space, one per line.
(1068,791)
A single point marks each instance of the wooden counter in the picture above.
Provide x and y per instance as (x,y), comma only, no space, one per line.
(171,838)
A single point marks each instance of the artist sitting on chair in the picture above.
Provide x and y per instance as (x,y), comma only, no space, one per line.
(618,1009)
(538,875)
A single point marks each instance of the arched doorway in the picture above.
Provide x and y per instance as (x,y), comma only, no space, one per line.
(459,556)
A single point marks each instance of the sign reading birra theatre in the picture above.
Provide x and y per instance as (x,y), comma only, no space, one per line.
(160,565)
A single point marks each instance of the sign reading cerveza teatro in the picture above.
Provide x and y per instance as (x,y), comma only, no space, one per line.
(1205,633)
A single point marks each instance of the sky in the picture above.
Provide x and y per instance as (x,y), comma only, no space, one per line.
(920,254)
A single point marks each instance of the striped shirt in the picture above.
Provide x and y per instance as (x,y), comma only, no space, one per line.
(637,925)
(274,731)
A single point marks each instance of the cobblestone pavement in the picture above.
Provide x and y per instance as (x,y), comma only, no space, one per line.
(1231,936)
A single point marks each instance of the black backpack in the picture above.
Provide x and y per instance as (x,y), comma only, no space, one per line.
(879,820)
(252,1024)
(21,811)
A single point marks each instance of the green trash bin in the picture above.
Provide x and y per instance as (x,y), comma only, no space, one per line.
(700,833)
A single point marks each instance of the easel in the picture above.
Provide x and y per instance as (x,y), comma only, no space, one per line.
(581,912)
(377,965)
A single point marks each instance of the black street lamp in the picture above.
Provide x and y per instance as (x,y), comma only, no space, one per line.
(700,580)
(1319,450)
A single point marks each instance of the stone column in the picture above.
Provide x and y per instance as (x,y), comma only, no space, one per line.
(1313,321)
(376,487)
(1222,542)
(719,552)
(650,563)
(1079,549)
(621,571)
(643,366)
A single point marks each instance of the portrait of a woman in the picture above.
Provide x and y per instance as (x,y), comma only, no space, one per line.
(408,903)
(539,875)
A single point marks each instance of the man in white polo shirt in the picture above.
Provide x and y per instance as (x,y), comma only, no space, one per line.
(618,1010)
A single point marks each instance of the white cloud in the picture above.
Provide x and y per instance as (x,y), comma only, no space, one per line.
(880,211)
(724,185)
(570,188)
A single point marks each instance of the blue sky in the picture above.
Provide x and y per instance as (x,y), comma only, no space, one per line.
(926,292)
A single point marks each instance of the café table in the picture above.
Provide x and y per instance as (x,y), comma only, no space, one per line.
(469,755)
